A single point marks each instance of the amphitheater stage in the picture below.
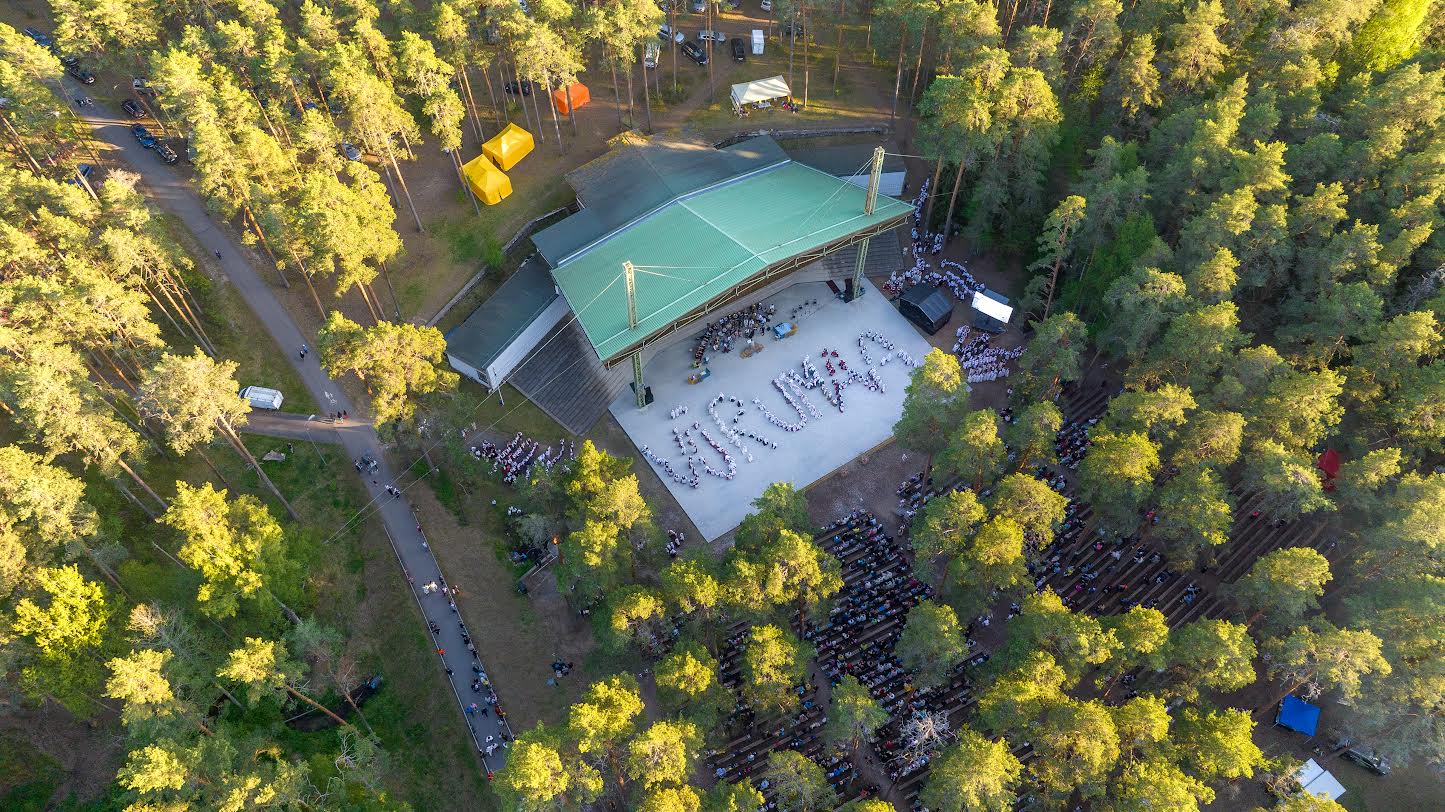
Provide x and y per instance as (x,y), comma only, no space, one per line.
(828,437)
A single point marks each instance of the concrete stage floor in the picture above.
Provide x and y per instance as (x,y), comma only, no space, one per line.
(802,457)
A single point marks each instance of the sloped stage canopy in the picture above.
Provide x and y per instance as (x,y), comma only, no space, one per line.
(490,184)
(580,97)
(509,146)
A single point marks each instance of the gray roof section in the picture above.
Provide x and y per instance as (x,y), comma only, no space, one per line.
(627,183)
(935,303)
(840,159)
(504,315)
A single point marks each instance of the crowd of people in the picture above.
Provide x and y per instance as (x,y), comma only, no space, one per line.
(742,325)
(515,460)
(979,361)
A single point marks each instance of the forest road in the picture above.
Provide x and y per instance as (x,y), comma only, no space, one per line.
(420,568)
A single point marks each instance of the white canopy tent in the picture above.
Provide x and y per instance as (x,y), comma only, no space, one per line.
(991,308)
(761,90)
(1318,781)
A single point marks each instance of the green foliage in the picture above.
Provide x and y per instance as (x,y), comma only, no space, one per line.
(971,775)
(780,507)
(935,397)
(397,362)
(774,662)
(1213,654)
(932,643)
(853,715)
(1284,585)
(798,784)
(1117,477)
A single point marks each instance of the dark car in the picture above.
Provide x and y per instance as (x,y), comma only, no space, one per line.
(740,54)
(512,88)
(41,38)
(132,109)
(83,172)
(793,30)
(165,153)
(694,52)
(143,136)
(80,74)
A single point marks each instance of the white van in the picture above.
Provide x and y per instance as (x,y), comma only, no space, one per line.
(262,398)
(757,42)
(650,54)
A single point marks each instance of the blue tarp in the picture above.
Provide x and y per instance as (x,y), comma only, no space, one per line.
(1298,715)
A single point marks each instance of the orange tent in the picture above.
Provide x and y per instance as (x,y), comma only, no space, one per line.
(580,97)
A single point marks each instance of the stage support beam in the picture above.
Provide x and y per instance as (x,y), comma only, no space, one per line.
(639,390)
(855,285)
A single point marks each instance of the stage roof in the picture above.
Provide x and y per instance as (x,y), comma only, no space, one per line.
(699,245)
(627,183)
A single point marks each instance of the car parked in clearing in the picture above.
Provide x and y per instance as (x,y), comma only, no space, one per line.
(143,136)
(165,153)
(694,52)
(79,74)
(83,173)
(41,38)
(699,6)
(740,54)
(767,5)
(666,33)
(132,109)
(712,36)
(142,87)
(512,88)
(651,52)
(351,151)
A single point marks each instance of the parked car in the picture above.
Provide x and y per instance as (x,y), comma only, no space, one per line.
(351,151)
(767,5)
(650,54)
(82,172)
(142,87)
(41,38)
(512,88)
(712,36)
(699,6)
(132,109)
(694,52)
(740,54)
(792,29)
(80,74)
(143,135)
(666,33)
(165,153)
(735,5)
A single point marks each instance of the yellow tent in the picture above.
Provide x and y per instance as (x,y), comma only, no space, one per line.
(487,182)
(509,146)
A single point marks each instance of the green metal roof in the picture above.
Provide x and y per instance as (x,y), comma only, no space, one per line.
(700,245)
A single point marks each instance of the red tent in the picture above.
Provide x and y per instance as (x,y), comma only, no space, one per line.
(1329,463)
